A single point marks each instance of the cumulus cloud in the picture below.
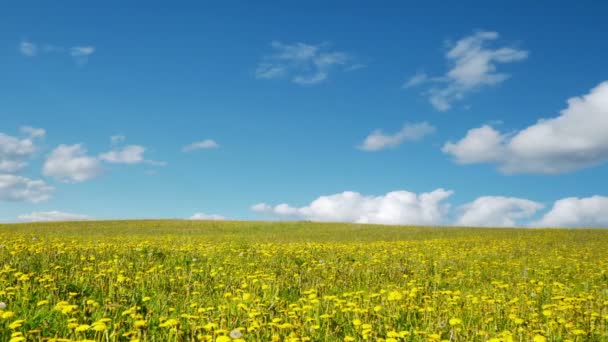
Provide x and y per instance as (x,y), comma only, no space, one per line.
(48,216)
(483,144)
(396,207)
(201,145)
(473,65)
(379,140)
(15,150)
(303,64)
(577,212)
(206,217)
(497,211)
(17,188)
(574,139)
(70,163)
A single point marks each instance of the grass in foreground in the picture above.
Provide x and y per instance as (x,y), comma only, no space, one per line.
(254,281)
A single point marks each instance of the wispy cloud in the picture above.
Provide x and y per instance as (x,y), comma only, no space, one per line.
(379,140)
(472,66)
(201,145)
(28,48)
(303,64)
(80,54)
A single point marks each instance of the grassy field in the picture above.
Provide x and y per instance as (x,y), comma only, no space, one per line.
(255,281)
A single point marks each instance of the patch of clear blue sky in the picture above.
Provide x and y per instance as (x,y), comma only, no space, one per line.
(167,74)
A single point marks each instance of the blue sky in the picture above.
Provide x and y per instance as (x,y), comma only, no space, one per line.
(351,111)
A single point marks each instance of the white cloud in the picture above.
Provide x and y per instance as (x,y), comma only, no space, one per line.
(206,217)
(14,150)
(481,144)
(70,163)
(131,154)
(28,49)
(201,145)
(397,207)
(497,211)
(577,212)
(472,66)
(48,216)
(18,188)
(304,64)
(378,140)
(573,140)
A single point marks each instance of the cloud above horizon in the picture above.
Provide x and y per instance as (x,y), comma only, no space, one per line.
(207,217)
(590,212)
(402,207)
(303,64)
(473,65)
(396,207)
(49,216)
(497,211)
(573,140)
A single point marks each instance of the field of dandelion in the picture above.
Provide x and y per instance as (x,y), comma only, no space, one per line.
(256,281)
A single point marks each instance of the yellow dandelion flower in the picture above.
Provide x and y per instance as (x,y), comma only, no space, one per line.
(455,321)
(83,327)
(139,324)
